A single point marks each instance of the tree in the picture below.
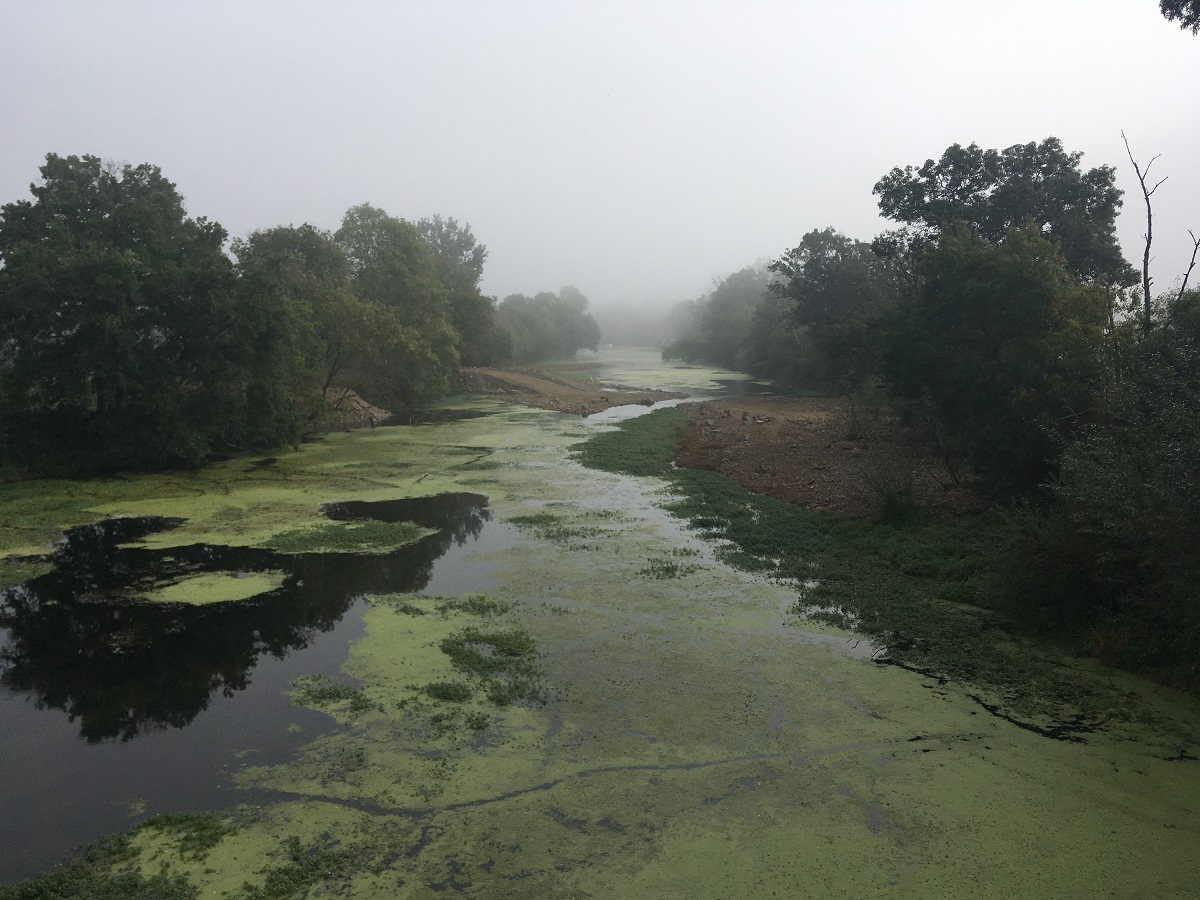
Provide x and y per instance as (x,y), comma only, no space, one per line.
(128,340)
(339,331)
(1185,12)
(1003,343)
(548,326)
(723,320)
(834,286)
(993,190)
(459,261)
(393,270)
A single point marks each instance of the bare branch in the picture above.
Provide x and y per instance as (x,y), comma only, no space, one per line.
(1191,265)
(1147,322)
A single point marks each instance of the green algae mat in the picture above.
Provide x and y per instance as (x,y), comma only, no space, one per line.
(624,711)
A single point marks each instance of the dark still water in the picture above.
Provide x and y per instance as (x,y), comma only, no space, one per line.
(114,708)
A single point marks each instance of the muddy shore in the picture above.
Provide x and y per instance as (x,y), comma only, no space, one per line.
(815,452)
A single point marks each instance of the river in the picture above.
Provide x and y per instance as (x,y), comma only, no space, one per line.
(551,688)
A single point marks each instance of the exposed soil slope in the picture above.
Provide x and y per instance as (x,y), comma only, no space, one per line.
(548,392)
(816,452)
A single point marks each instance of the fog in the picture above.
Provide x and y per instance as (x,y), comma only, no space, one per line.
(634,150)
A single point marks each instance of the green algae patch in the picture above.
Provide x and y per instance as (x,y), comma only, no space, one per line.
(347,537)
(217,587)
(107,870)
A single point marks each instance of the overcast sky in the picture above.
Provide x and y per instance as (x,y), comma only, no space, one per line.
(635,150)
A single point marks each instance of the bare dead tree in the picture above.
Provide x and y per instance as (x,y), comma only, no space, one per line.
(1191,265)
(1147,322)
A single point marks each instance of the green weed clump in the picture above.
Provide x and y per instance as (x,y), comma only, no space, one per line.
(448,691)
(320,692)
(662,569)
(503,662)
(198,832)
(642,446)
(555,528)
(347,537)
(475,605)
(105,871)
(305,867)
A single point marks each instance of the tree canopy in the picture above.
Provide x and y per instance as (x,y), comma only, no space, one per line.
(393,269)
(459,263)
(128,340)
(1185,12)
(1003,341)
(993,190)
(548,325)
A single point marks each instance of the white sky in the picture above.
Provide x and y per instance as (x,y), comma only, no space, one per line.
(635,150)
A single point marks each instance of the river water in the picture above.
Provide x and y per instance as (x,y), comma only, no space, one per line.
(696,739)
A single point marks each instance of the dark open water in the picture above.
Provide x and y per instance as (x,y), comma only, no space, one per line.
(113,709)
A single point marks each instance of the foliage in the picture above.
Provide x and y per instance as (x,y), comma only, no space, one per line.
(548,326)
(504,662)
(1003,342)
(198,832)
(346,537)
(304,868)
(1118,549)
(311,271)
(393,269)
(459,263)
(835,286)
(319,691)
(722,320)
(1185,12)
(994,190)
(104,872)
(127,339)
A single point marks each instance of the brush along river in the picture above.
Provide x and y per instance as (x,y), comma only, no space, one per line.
(536,683)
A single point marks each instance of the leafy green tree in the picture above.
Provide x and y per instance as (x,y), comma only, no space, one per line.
(835,286)
(339,331)
(723,320)
(993,190)
(1003,342)
(393,269)
(1185,12)
(548,326)
(127,339)
(459,261)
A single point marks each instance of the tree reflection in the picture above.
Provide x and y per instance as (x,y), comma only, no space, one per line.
(80,641)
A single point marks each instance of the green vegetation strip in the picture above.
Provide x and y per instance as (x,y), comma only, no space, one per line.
(108,869)
(347,537)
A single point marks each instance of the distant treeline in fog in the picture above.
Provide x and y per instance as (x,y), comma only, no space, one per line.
(130,338)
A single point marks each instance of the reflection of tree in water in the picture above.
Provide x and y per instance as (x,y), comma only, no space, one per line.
(79,641)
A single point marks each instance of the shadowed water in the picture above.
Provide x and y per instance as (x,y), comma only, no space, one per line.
(115,707)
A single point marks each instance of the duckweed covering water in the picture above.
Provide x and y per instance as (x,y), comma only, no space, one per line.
(696,740)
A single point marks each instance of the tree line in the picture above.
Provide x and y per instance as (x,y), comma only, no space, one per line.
(130,338)
(1001,317)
